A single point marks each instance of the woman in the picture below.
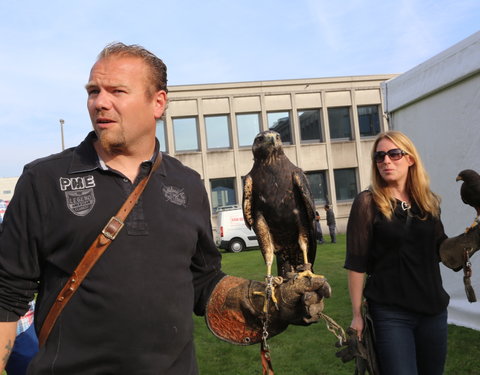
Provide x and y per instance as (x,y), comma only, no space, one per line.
(393,235)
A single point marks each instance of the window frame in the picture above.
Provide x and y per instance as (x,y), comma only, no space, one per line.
(161,127)
(321,201)
(321,138)
(289,112)
(229,132)
(233,193)
(195,118)
(259,117)
(355,176)
(348,138)
(377,106)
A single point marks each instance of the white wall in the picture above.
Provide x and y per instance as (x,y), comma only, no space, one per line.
(437,104)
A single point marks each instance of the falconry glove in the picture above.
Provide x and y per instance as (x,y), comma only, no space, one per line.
(362,351)
(452,250)
(356,350)
(235,311)
(455,253)
(352,348)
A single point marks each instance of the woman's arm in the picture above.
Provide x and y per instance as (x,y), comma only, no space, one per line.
(355,287)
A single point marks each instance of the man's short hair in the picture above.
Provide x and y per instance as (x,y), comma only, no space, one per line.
(157,67)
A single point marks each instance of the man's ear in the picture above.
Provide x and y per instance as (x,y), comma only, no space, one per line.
(160,104)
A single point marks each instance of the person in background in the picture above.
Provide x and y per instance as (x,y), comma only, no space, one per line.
(26,344)
(331,223)
(318,228)
(393,236)
(26,341)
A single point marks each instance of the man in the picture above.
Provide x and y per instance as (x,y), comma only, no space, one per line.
(318,228)
(132,313)
(331,223)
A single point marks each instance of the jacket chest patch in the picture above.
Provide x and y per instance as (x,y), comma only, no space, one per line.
(174,195)
(79,194)
(80,202)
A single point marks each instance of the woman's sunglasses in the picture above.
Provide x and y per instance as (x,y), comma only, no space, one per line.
(393,154)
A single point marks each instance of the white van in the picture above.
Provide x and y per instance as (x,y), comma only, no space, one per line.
(232,234)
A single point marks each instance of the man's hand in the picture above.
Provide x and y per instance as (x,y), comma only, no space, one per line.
(236,309)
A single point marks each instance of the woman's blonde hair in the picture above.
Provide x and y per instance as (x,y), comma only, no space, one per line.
(418,182)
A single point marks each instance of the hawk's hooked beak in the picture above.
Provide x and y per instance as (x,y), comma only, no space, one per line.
(459,178)
(271,140)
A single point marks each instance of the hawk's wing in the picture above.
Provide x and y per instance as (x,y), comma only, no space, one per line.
(301,183)
(247,201)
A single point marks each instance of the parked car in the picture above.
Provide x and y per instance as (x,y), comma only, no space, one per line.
(232,233)
(3,208)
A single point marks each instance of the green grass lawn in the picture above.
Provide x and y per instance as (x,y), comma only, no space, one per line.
(310,350)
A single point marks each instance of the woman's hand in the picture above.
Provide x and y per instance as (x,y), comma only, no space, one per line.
(357,324)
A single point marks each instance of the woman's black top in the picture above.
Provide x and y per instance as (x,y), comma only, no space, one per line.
(400,256)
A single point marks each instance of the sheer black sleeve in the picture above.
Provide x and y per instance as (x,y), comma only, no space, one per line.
(440,236)
(360,232)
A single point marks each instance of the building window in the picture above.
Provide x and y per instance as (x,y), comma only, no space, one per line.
(368,120)
(345,184)
(218,131)
(185,134)
(280,122)
(223,192)
(248,126)
(162,139)
(318,186)
(310,125)
(339,122)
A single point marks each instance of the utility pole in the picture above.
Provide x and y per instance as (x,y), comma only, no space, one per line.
(62,121)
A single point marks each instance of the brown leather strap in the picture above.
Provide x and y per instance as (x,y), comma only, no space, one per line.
(467,274)
(97,248)
(267,368)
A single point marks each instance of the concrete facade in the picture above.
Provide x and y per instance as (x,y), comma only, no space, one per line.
(292,96)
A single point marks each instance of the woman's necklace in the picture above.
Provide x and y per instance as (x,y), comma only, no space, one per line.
(405,206)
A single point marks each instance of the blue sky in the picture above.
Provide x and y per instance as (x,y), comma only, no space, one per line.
(48,47)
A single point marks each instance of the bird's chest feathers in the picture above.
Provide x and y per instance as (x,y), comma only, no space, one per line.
(272,187)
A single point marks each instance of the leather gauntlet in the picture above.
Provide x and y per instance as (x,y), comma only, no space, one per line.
(452,250)
(235,311)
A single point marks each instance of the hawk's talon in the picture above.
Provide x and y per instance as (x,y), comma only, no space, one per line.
(309,274)
(277,280)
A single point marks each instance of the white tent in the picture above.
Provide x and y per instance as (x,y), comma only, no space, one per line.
(437,104)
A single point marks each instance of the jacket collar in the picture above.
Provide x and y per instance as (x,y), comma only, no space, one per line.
(86,159)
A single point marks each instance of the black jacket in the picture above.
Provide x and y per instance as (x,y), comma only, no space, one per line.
(133,312)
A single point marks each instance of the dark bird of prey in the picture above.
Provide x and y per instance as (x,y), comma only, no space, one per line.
(470,190)
(278,205)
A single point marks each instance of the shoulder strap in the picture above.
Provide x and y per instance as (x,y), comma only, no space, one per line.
(97,248)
